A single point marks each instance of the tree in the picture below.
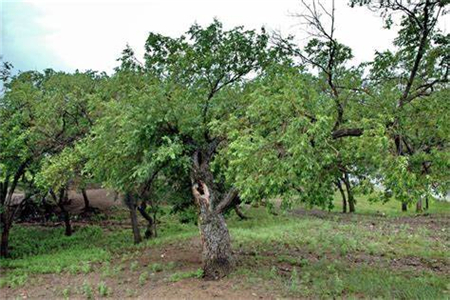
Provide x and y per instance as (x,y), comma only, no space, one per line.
(185,85)
(41,114)
(407,83)
(340,84)
(282,144)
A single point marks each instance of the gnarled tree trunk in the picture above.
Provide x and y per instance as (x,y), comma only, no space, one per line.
(215,237)
(151,224)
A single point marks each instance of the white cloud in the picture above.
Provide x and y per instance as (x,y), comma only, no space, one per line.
(91,34)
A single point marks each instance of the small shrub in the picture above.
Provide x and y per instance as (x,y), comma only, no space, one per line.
(133,266)
(66,293)
(103,290)
(87,290)
(143,278)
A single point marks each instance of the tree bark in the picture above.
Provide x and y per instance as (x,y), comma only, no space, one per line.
(215,237)
(216,245)
(66,216)
(404,206)
(62,200)
(240,214)
(4,248)
(344,199)
(86,200)
(149,232)
(351,199)
(419,207)
(427,204)
(134,225)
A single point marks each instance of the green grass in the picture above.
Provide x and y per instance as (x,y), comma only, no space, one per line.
(332,279)
(285,254)
(184,275)
(391,208)
(39,250)
(287,240)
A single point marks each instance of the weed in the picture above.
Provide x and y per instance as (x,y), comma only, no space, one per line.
(143,278)
(133,266)
(184,275)
(87,290)
(103,290)
(66,293)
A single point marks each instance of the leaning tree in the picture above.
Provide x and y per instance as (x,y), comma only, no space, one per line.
(41,114)
(410,85)
(163,116)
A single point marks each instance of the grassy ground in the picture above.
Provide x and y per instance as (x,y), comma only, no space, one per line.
(376,253)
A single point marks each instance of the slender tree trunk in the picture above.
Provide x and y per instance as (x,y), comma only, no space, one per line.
(68,226)
(344,199)
(63,199)
(216,243)
(4,249)
(85,199)
(351,199)
(7,213)
(155,232)
(4,224)
(404,206)
(419,207)
(134,225)
(150,222)
(240,214)
(427,204)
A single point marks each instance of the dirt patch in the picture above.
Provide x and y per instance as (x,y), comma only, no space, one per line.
(434,222)
(182,257)
(102,199)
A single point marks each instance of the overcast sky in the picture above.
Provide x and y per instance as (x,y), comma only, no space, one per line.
(69,35)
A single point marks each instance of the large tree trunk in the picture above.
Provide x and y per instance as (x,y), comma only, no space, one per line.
(217,260)
(216,243)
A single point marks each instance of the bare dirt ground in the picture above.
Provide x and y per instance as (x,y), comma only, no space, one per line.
(101,199)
